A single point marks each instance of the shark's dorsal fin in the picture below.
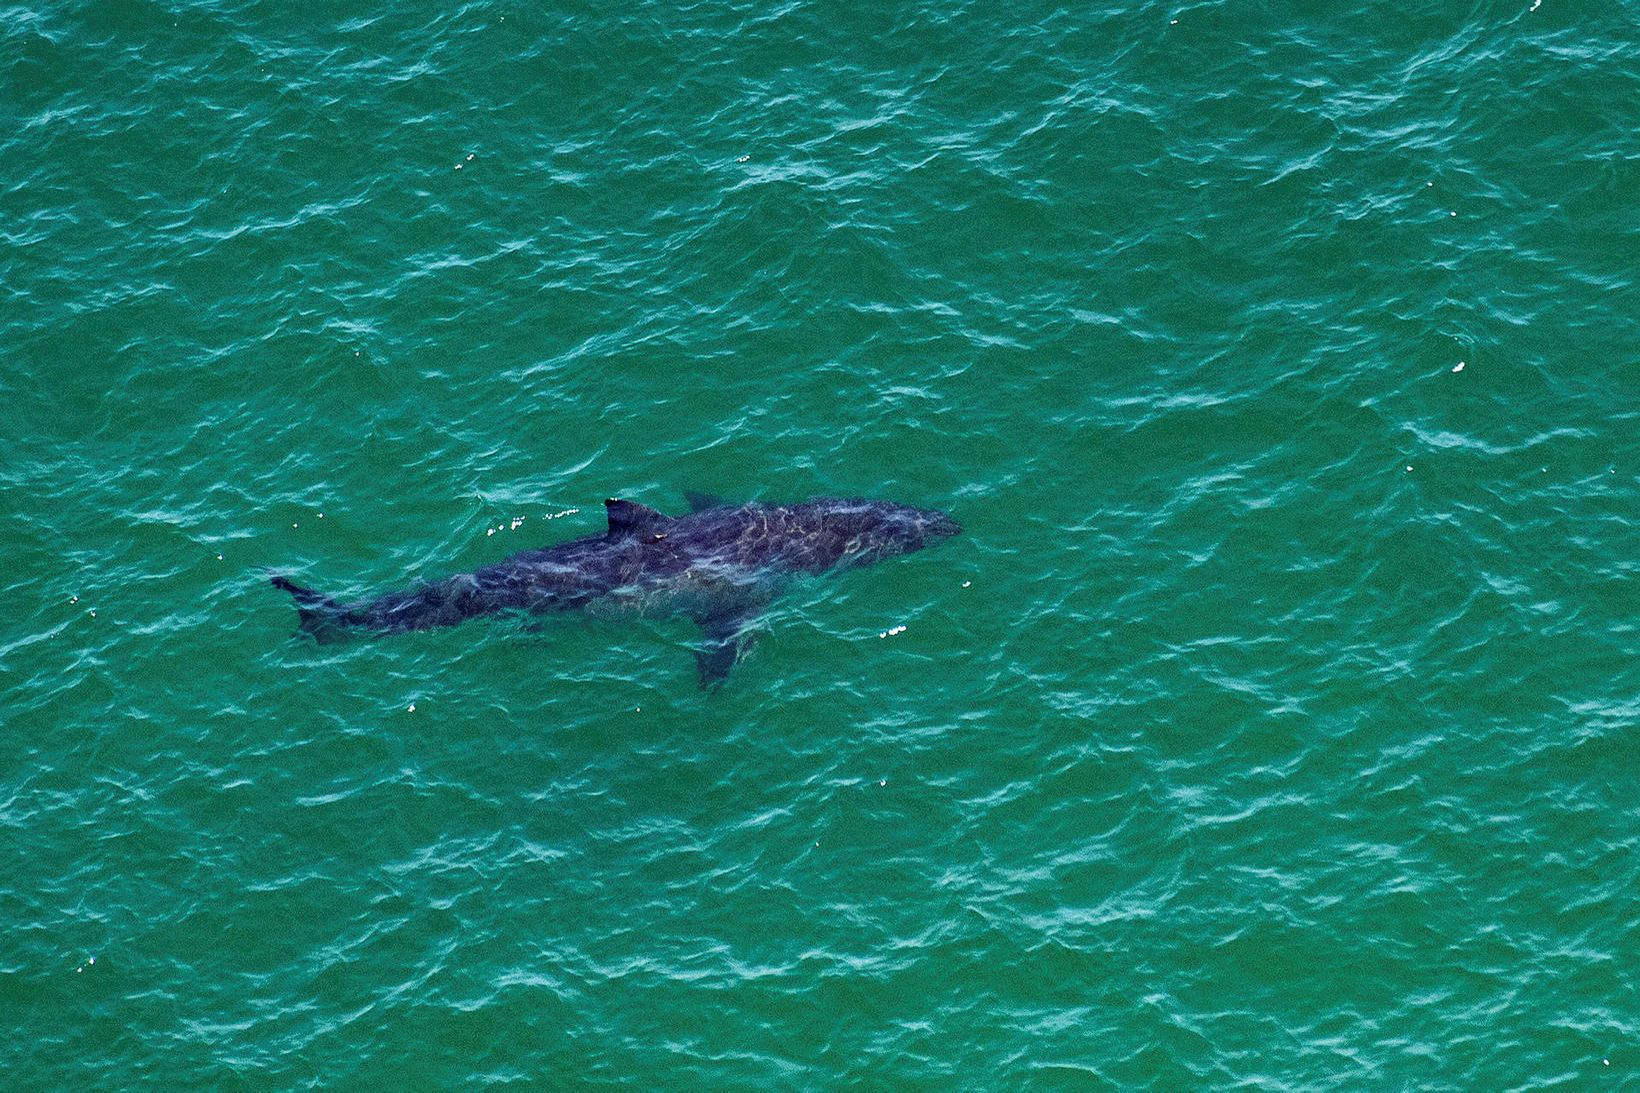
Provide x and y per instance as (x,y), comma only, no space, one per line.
(630,518)
(700,502)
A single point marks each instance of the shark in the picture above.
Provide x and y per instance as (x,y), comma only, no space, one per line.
(721,564)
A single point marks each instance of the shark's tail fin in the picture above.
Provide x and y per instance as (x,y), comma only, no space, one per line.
(320,615)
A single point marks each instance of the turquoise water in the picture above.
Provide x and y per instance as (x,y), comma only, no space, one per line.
(1271,726)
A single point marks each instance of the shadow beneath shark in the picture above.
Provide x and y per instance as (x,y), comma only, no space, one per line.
(720,565)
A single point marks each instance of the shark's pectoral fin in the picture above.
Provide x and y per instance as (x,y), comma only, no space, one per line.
(728,638)
(714,661)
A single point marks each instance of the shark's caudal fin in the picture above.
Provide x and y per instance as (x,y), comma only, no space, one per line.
(320,615)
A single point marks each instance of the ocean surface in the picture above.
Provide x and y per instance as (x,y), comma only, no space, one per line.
(1273,725)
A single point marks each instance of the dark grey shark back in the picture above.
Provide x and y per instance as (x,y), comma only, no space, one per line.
(720,565)
(811,537)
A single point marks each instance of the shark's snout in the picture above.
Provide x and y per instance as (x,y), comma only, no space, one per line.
(938,526)
(935,527)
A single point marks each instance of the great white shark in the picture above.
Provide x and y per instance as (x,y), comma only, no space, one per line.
(720,565)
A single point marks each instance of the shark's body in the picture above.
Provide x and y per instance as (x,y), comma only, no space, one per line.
(720,565)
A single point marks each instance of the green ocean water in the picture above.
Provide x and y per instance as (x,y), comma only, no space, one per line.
(1272,726)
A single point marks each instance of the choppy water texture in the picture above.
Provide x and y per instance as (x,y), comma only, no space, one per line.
(1273,725)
